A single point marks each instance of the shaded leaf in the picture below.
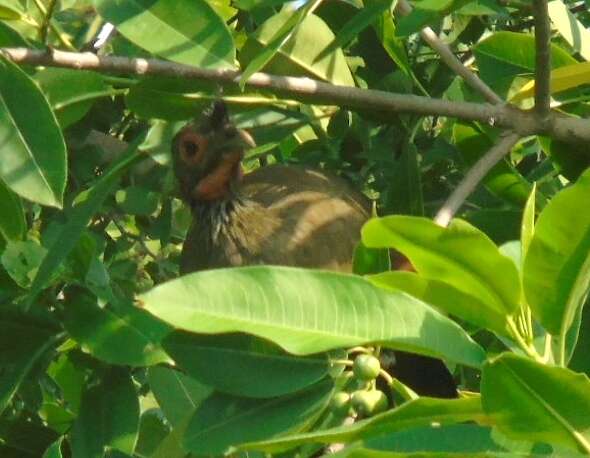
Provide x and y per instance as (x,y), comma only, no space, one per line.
(109,417)
(243,365)
(33,149)
(120,334)
(419,412)
(223,421)
(178,395)
(12,217)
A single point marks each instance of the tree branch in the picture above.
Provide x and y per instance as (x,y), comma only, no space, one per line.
(542,58)
(566,128)
(474,176)
(449,58)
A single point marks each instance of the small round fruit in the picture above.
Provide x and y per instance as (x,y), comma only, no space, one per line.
(340,403)
(366,367)
(367,403)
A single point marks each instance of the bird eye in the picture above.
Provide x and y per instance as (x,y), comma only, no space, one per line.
(190,148)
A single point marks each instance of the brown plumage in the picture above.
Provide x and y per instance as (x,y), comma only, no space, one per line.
(280,214)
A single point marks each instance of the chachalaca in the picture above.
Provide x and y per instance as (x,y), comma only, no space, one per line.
(280,214)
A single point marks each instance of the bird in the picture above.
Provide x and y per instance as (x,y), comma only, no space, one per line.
(289,215)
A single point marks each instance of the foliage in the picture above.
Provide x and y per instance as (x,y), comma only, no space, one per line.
(104,351)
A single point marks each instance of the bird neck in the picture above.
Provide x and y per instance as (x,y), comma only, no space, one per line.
(216,216)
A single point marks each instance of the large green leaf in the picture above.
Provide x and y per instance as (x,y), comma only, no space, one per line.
(178,395)
(185,31)
(118,334)
(556,274)
(21,346)
(445,297)
(419,412)
(223,421)
(33,150)
(243,365)
(12,218)
(459,255)
(299,56)
(86,205)
(530,401)
(109,417)
(307,311)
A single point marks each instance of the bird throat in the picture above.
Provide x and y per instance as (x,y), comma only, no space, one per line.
(216,186)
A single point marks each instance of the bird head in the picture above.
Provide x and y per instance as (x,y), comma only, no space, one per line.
(207,154)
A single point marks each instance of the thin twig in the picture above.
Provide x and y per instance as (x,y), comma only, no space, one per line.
(561,127)
(448,57)
(137,238)
(474,176)
(542,58)
(47,21)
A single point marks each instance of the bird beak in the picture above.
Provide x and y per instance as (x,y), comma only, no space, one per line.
(246,140)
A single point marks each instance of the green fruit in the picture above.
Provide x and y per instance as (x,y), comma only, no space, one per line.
(366,367)
(340,403)
(367,403)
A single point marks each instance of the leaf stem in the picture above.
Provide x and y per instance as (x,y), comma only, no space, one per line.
(529,350)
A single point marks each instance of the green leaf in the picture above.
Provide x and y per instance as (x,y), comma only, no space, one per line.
(459,255)
(406,188)
(109,417)
(243,365)
(503,180)
(33,149)
(12,217)
(22,260)
(568,26)
(278,39)
(365,17)
(118,334)
(307,311)
(370,260)
(185,31)
(419,412)
(467,440)
(86,205)
(504,55)
(444,297)
(527,229)
(11,9)
(21,346)
(223,421)
(177,394)
(70,92)
(54,451)
(299,55)
(556,274)
(530,401)
(136,200)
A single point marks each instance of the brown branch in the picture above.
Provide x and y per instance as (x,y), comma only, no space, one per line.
(542,58)
(448,57)
(474,176)
(524,123)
